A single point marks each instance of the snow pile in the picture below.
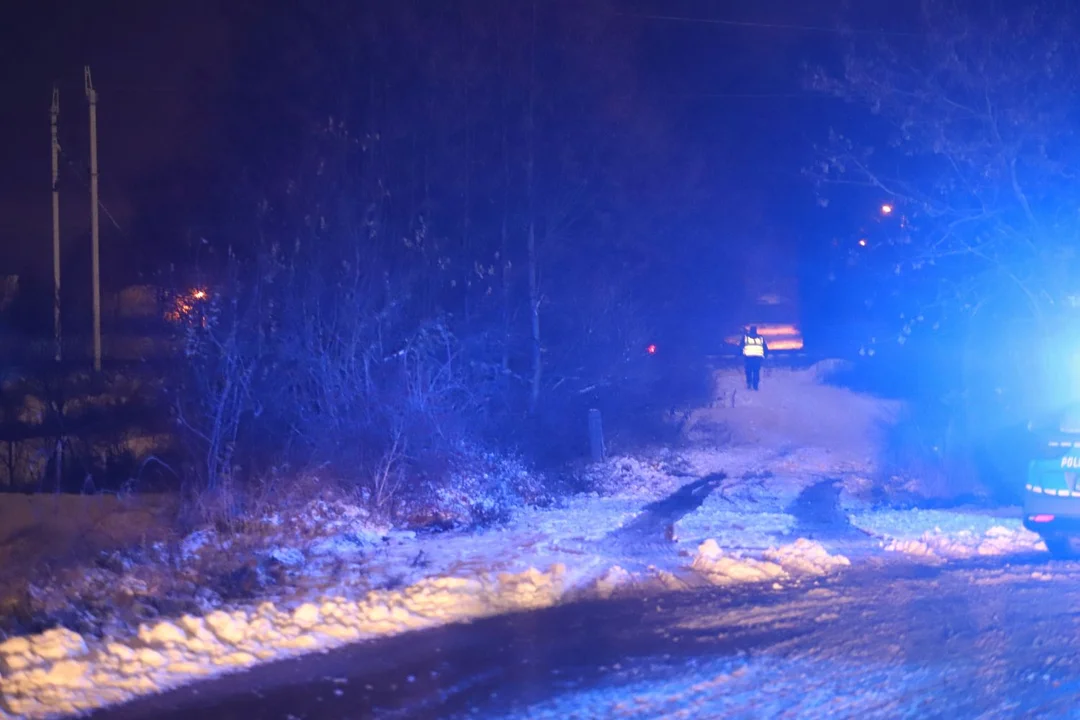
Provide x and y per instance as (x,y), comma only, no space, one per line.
(331,517)
(806,557)
(619,581)
(611,581)
(720,568)
(939,534)
(59,672)
(1005,541)
(802,557)
(484,488)
(964,544)
(643,477)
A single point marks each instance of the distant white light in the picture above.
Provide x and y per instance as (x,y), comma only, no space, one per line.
(886,209)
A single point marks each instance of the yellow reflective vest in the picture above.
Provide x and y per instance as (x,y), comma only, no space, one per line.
(753,346)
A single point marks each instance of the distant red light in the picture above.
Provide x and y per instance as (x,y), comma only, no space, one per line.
(1042,518)
(651,349)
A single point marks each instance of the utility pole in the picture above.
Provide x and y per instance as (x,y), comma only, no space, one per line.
(533,261)
(95,259)
(54,122)
(54,117)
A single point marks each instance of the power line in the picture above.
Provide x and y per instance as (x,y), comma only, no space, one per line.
(70,166)
(769,26)
(747,96)
(133,88)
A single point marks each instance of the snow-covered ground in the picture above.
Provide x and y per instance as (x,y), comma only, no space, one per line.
(985,642)
(332,598)
(950,535)
(765,687)
(331,575)
(539,559)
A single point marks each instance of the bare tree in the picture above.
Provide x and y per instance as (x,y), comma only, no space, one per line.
(224,348)
(963,134)
(455,180)
(533,257)
(965,131)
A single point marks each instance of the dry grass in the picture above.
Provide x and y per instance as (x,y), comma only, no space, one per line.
(36,529)
(88,561)
(49,541)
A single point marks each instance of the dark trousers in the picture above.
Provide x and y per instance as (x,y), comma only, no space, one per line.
(753,372)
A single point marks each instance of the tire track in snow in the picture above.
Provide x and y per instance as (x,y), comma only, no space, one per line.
(647,535)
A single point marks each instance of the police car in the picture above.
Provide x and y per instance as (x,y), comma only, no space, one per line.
(1052,492)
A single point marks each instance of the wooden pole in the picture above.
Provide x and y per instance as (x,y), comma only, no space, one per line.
(54,117)
(95,260)
(533,258)
(596,436)
(54,123)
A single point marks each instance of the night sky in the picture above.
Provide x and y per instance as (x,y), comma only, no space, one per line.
(163,71)
(157,68)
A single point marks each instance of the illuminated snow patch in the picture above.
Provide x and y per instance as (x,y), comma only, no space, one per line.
(612,580)
(618,580)
(943,535)
(806,557)
(59,673)
(802,557)
(968,544)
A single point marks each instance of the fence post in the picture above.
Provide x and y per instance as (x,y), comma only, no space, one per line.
(596,436)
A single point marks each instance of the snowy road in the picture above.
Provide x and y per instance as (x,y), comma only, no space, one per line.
(984,639)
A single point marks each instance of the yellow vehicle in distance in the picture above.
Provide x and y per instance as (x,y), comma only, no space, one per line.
(779,337)
(775,320)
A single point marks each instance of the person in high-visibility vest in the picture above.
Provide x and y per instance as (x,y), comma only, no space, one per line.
(754,350)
